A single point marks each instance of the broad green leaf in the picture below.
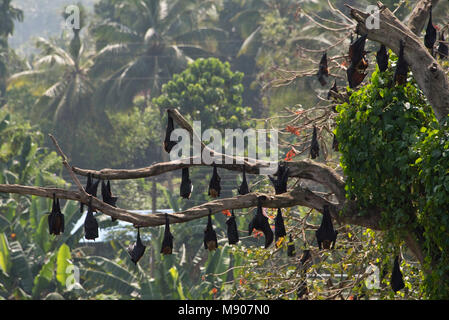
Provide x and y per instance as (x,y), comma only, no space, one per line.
(63,261)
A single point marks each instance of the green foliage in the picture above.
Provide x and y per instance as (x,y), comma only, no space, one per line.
(376,131)
(394,155)
(433,217)
(208,91)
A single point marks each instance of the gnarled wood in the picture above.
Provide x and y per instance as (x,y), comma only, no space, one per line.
(429,75)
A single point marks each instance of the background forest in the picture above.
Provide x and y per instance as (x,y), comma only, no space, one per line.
(103,91)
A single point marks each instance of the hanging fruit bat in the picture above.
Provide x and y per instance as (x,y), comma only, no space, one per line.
(279,227)
(305,256)
(323,70)
(431,34)
(55,218)
(260,222)
(168,144)
(233,235)
(335,143)
(90,224)
(314,147)
(243,189)
(443,49)
(137,249)
(332,91)
(291,251)
(186,184)
(356,71)
(91,188)
(210,236)
(214,184)
(106,194)
(396,277)
(280,182)
(400,74)
(382,57)
(167,243)
(326,235)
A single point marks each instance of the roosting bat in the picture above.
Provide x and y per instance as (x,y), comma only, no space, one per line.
(291,251)
(279,227)
(332,90)
(137,249)
(335,143)
(400,74)
(382,58)
(56,218)
(90,224)
(233,235)
(431,34)
(243,189)
(356,71)
(280,182)
(305,256)
(260,222)
(326,235)
(210,236)
(167,243)
(107,196)
(91,188)
(186,184)
(443,49)
(168,144)
(396,277)
(314,147)
(323,70)
(214,184)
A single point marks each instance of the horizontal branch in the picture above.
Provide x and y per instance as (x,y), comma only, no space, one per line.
(296,197)
(304,169)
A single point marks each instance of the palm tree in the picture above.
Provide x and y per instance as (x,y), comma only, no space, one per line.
(142,43)
(67,100)
(8,14)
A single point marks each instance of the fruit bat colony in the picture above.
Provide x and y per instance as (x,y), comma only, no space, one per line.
(326,235)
